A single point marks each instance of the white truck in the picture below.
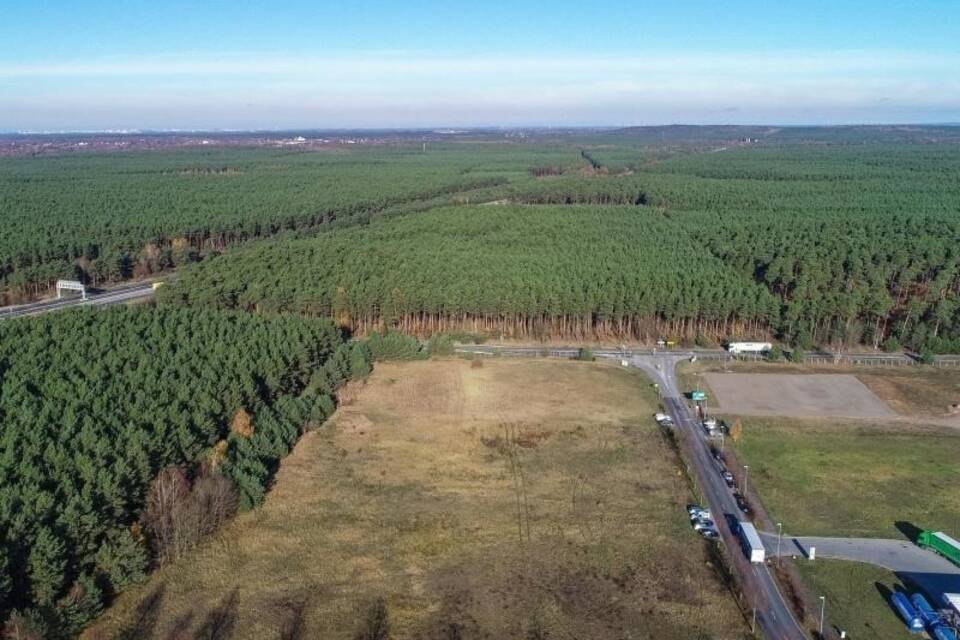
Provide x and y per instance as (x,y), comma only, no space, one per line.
(749,347)
(751,543)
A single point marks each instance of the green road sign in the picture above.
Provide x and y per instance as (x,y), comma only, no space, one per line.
(698,395)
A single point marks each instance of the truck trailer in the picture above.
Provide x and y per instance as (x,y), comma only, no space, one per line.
(751,542)
(941,543)
(748,347)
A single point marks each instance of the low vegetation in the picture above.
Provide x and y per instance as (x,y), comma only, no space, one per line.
(517,499)
(850,480)
(858,598)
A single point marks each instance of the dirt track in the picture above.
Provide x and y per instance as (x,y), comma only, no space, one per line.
(810,395)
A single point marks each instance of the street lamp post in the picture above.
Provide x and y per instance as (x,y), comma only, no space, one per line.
(746,478)
(823,605)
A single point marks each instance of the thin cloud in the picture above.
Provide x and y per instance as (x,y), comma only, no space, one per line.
(839,62)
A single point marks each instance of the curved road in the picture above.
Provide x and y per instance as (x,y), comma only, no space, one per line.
(925,569)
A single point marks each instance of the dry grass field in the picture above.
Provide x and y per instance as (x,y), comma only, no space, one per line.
(517,499)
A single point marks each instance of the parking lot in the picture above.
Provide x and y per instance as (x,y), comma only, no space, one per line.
(811,395)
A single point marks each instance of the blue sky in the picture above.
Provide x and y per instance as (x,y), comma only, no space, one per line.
(83,64)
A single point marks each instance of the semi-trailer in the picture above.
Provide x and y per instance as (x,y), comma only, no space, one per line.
(907,611)
(751,542)
(941,543)
(749,347)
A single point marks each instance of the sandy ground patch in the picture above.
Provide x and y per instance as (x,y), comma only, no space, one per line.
(812,395)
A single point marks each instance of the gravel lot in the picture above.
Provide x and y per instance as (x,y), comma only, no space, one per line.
(803,396)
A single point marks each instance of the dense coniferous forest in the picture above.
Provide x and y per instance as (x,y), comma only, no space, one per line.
(97,405)
(851,242)
(110,217)
(527,271)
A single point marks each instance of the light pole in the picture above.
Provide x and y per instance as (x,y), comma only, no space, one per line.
(746,478)
(779,536)
(823,605)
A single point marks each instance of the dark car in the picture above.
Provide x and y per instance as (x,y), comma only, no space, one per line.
(742,503)
(710,534)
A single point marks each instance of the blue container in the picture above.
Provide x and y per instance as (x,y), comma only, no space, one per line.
(929,616)
(942,632)
(906,610)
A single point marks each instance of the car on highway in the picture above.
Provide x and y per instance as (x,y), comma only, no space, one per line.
(728,478)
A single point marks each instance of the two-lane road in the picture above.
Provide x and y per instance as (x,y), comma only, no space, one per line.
(117,295)
(773,614)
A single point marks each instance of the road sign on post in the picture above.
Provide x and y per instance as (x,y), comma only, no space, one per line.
(698,396)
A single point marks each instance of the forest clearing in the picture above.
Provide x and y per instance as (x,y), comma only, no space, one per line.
(456,500)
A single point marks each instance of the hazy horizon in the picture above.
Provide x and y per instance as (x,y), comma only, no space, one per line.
(371,65)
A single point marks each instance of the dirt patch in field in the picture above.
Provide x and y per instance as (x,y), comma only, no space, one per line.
(805,396)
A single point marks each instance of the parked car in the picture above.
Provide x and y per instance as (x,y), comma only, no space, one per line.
(710,534)
(700,515)
(663,419)
(742,503)
(693,508)
(728,478)
(703,523)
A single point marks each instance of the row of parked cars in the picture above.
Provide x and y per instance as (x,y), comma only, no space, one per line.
(731,482)
(702,522)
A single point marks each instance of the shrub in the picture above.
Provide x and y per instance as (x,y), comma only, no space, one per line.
(891,344)
(376,625)
(440,344)
(122,560)
(585,354)
(391,345)
(83,603)
(775,354)
(797,355)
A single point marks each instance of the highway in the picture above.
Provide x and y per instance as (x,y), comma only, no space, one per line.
(773,614)
(116,295)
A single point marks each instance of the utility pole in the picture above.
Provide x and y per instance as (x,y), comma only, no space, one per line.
(746,478)
(779,536)
(823,605)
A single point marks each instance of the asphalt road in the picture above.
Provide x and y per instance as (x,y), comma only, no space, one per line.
(773,614)
(117,295)
(925,569)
